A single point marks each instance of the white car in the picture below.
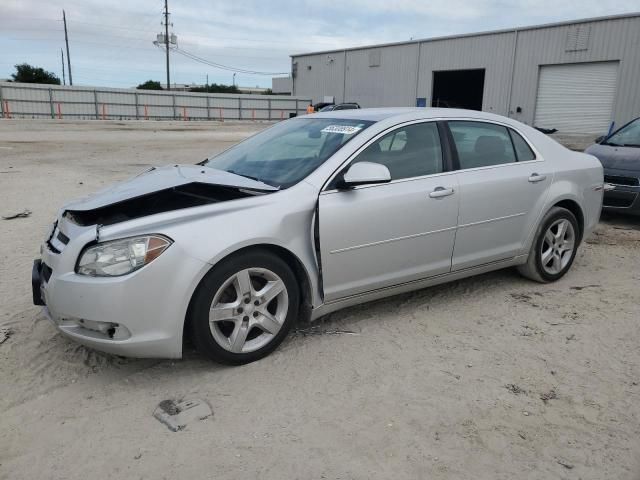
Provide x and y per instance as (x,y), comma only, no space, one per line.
(309,216)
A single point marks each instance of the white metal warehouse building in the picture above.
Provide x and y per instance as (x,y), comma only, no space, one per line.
(576,76)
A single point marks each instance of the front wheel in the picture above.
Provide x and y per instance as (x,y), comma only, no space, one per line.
(554,247)
(244,308)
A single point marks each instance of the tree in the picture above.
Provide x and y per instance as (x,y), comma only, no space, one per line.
(150,85)
(28,74)
(215,88)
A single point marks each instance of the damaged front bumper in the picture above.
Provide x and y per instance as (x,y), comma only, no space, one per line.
(141,314)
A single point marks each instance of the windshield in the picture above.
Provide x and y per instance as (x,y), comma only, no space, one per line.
(627,136)
(286,153)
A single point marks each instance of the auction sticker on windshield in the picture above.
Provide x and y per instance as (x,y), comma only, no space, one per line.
(344,129)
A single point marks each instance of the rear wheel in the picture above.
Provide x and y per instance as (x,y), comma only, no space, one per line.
(554,247)
(244,308)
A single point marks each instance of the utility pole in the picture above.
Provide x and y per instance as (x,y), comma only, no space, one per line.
(66,40)
(166,40)
(62,57)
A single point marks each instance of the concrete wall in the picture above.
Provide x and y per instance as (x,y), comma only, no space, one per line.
(25,100)
(511,59)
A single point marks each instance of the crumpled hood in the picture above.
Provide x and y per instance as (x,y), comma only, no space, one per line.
(161,178)
(618,158)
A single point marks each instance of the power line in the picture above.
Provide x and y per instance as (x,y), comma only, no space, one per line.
(261,39)
(116,51)
(119,27)
(221,66)
(87,42)
(140,44)
(145,39)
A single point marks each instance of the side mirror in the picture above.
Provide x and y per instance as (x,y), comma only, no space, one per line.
(365,173)
(600,138)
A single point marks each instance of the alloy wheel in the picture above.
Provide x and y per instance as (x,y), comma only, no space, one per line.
(557,246)
(248,310)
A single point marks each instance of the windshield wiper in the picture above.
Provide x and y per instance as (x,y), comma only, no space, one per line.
(247,176)
(631,145)
(253,178)
(610,144)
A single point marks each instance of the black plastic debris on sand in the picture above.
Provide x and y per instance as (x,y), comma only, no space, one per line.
(23,214)
(320,330)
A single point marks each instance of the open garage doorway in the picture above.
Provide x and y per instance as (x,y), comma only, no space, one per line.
(458,89)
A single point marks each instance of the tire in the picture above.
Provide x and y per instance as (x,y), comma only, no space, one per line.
(244,308)
(551,257)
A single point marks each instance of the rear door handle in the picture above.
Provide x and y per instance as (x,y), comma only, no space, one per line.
(440,192)
(534,178)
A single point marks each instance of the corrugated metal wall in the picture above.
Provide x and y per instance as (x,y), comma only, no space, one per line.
(320,75)
(617,39)
(491,52)
(24,100)
(511,59)
(390,83)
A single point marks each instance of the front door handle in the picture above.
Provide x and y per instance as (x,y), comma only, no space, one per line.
(535,178)
(440,192)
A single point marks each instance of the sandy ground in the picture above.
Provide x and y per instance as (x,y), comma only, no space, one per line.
(492,377)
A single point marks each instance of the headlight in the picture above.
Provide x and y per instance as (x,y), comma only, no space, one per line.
(119,257)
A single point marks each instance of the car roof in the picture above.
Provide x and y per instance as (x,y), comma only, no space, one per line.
(408,113)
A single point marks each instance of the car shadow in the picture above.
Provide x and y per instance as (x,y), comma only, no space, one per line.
(84,361)
(349,321)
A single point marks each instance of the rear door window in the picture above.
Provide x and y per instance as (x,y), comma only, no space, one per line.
(481,144)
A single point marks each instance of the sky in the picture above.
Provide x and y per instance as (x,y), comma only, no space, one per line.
(111,41)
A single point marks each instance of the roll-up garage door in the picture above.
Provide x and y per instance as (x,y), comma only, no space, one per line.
(576,98)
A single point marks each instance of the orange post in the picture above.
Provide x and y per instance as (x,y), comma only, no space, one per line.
(146,113)
(184,113)
(221,116)
(281,114)
(59,112)
(253,114)
(104,112)
(7,111)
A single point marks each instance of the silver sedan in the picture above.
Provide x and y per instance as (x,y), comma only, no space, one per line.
(309,216)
